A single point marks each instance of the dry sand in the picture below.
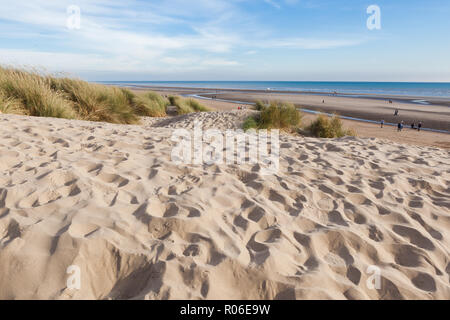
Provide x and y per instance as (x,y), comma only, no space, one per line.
(108,199)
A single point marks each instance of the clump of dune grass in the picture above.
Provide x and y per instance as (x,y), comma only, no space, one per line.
(259,105)
(11,105)
(250,123)
(197,106)
(185,106)
(280,115)
(181,105)
(276,115)
(31,92)
(35,94)
(95,102)
(329,127)
(149,104)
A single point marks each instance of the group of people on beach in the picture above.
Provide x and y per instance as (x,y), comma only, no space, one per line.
(401,124)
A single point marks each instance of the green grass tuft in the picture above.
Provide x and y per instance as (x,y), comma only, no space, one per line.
(259,105)
(95,102)
(11,105)
(280,115)
(250,123)
(185,106)
(276,115)
(32,93)
(326,127)
(150,104)
(197,106)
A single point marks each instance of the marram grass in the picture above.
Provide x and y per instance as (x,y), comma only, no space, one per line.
(326,127)
(31,93)
(185,106)
(276,115)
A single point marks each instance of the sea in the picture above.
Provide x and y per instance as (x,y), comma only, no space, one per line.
(414,89)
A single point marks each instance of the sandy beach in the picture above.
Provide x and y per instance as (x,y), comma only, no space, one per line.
(347,106)
(211,158)
(107,199)
(436,115)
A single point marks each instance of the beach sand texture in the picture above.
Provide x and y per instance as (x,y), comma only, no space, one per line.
(108,199)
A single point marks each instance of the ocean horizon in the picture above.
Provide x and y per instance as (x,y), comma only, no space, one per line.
(419,89)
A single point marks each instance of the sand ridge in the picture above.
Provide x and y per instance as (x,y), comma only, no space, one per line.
(108,198)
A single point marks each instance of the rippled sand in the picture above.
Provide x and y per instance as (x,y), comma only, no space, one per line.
(108,199)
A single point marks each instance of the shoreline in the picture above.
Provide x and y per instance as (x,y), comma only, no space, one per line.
(317,112)
(417,100)
(320,112)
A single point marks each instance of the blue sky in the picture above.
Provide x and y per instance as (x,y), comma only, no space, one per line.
(230,39)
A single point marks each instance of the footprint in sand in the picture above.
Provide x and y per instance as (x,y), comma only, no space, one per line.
(116,179)
(414,236)
(424,282)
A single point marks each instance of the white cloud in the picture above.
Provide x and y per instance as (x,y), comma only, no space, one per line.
(69,62)
(139,36)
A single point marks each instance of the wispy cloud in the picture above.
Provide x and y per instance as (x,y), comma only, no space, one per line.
(273,4)
(277,3)
(139,36)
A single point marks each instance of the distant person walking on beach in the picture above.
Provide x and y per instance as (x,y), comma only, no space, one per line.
(382,124)
(419,126)
(413,125)
(396,112)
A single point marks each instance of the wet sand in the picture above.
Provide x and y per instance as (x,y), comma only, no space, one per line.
(432,116)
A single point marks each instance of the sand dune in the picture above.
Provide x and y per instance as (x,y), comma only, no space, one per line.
(108,199)
(218,120)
